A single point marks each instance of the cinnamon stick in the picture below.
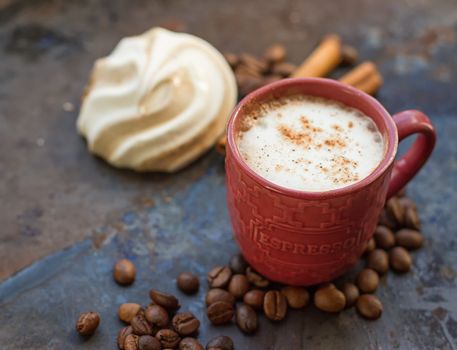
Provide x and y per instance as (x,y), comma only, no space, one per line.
(220,145)
(365,77)
(325,58)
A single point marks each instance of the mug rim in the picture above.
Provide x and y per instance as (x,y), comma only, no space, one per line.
(381,168)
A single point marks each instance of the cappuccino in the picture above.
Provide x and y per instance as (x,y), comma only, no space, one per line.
(310,143)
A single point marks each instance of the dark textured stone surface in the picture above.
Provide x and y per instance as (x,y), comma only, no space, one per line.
(55,194)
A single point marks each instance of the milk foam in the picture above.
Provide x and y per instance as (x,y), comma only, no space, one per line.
(310,143)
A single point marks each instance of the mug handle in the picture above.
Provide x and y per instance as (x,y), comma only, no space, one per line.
(411,122)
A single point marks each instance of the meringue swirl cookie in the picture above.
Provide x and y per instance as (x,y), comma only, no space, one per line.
(157,102)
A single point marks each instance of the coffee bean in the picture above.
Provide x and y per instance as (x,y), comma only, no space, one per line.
(254,63)
(218,294)
(168,301)
(378,260)
(231,59)
(168,338)
(275,53)
(384,237)
(246,319)
(349,55)
(270,79)
(222,341)
(283,69)
(123,333)
(412,219)
(407,203)
(220,312)
(148,342)
(237,264)
(395,210)
(127,311)
(297,297)
(185,323)
(367,280)
(369,306)
(256,279)
(124,272)
(328,298)
(87,323)
(401,193)
(275,305)
(219,276)
(221,145)
(188,283)
(190,344)
(351,293)
(254,298)
(156,315)
(246,83)
(238,286)
(243,71)
(140,326)
(400,260)
(371,245)
(131,342)
(409,239)
(386,220)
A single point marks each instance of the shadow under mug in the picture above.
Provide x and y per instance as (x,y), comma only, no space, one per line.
(305,238)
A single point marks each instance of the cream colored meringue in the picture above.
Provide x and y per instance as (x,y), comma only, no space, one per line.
(157,102)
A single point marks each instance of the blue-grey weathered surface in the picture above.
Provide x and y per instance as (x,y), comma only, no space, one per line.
(55,194)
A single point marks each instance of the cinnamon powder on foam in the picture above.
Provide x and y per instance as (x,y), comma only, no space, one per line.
(342,167)
(333,138)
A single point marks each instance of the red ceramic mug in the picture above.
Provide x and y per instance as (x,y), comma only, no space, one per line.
(305,238)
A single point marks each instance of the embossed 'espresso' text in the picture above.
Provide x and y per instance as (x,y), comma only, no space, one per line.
(302,248)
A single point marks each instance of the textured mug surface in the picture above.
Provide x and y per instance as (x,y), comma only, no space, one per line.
(305,238)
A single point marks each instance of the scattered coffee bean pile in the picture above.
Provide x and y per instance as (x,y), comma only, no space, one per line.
(253,72)
(238,292)
(397,232)
(159,325)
